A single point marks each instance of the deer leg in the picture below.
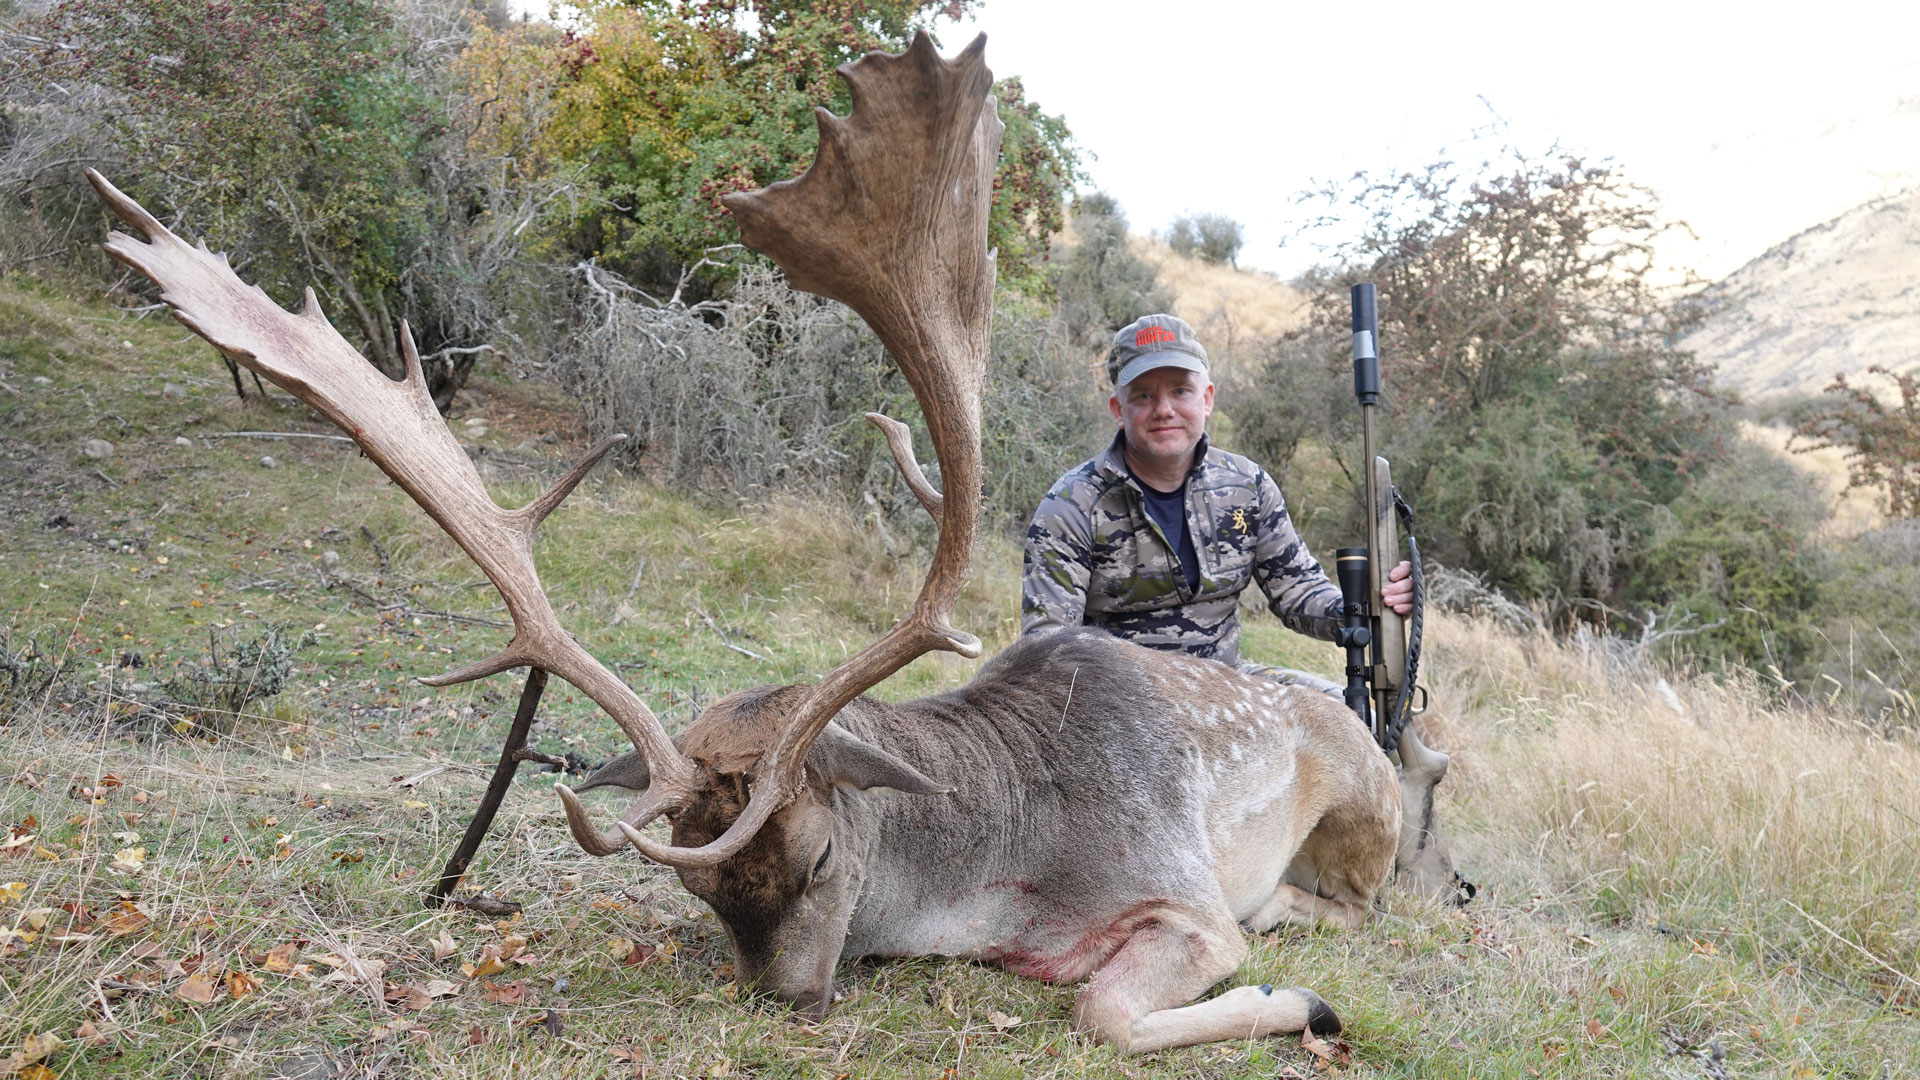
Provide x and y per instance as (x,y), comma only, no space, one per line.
(1136,1000)
(1335,875)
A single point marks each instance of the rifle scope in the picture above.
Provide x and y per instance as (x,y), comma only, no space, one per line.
(1356,630)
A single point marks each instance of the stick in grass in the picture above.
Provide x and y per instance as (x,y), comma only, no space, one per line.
(456,867)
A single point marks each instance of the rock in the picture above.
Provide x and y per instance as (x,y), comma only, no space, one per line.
(182,440)
(330,558)
(42,380)
(173,389)
(476,421)
(267,462)
(477,432)
(97,448)
(126,344)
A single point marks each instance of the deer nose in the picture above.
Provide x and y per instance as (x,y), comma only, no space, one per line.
(1463,890)
(811,1003)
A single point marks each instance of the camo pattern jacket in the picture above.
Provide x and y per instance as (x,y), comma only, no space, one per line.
(1094,558)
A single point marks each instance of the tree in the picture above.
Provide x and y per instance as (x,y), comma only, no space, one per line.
(317,141)
(1215,238)
(1536,410)
(669,107)
(1103,284)
(1882,441)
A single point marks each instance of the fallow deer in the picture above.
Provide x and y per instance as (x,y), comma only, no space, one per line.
(1102,811)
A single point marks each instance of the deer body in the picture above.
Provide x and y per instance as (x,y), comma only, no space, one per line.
(1110,811)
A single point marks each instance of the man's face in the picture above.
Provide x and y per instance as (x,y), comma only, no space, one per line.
(1164,412)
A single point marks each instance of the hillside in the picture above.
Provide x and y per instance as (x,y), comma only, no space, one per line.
(1232,310)
(1838,297)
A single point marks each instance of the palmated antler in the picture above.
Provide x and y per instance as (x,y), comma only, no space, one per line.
(398,427)
(891,220)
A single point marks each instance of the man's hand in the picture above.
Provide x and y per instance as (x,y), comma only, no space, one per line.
(1398,589)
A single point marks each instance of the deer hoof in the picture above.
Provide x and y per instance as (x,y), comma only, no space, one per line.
(1321,1019)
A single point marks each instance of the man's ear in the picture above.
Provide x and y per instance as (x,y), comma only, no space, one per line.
(846,761)
(1113,404)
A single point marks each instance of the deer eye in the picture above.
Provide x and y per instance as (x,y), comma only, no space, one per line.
(820,863)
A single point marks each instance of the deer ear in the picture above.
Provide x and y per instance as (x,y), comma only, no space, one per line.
(628,771)
(846,761)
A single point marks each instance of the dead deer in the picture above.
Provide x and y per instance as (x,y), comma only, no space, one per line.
(1103,812)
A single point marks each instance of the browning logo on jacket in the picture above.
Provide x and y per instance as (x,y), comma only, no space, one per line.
(1094,558)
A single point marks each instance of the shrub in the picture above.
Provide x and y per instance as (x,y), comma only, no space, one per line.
(212,695)
(1882,441)
(764,392)
(1214,237)
(1103,284)
(1535,412)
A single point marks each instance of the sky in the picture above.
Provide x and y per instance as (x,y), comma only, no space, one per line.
(1749,126)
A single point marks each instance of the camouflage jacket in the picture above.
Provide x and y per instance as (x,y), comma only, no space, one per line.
(1095,558)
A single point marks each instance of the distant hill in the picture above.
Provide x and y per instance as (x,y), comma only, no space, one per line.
(1836,298)
(1233,310)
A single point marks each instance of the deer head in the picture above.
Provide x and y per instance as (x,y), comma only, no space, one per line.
(890,219)
(1423,860)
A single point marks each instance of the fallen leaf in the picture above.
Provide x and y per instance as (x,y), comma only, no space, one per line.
(1596,1029)
(444,945)
(513,993)
(130,860)
(32,1049)
(126,919)
(37,917)
(440,988)
(1331,1051)
(12,890)
(38,1072)
(240,984)
(198,988)
(640,954)
(548,1021)
(279,959)
(488,964)
(128,837)
(478,1036)
(354,970)
(413,804)
(89,1034)
(511,945)
(391,1028)
(1001,1021)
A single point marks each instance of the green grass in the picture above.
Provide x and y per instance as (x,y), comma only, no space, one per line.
(1649,880)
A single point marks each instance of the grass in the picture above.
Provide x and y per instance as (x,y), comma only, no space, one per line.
(1673,882)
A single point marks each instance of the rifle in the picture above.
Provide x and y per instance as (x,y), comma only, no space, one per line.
(1381,688)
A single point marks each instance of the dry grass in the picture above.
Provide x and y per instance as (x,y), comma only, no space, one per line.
(1234,311)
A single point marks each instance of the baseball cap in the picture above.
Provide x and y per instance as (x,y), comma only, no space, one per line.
(1153,341)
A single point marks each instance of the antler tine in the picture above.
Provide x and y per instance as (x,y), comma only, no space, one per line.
(900,443)
(598,843)
(891,220)
(397,426)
